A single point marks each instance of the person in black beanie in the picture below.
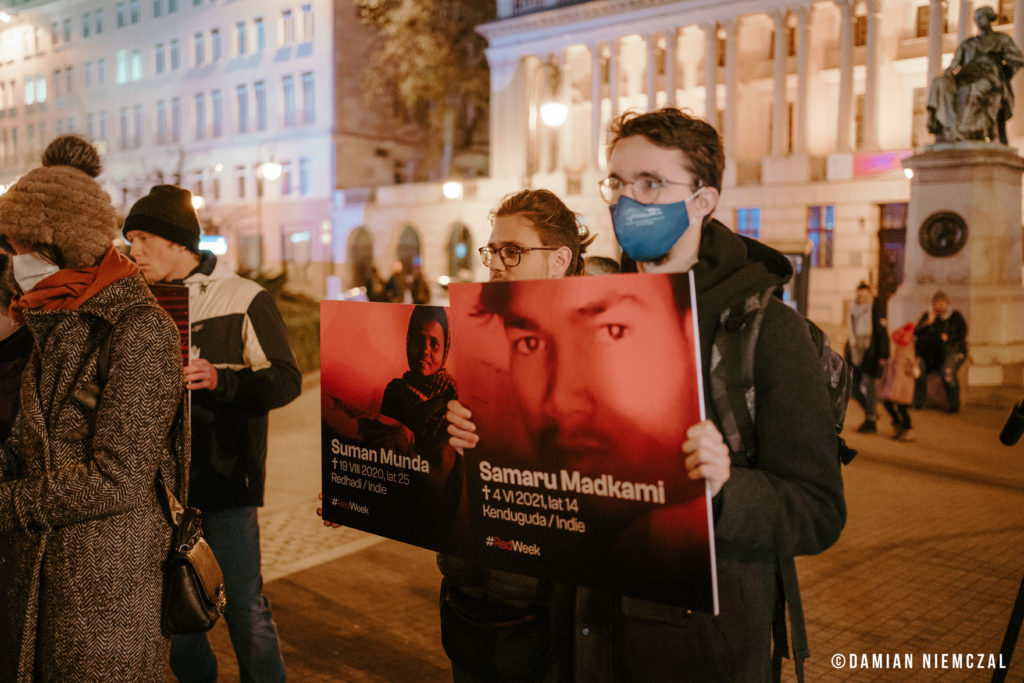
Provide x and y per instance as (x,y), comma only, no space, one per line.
(241,367)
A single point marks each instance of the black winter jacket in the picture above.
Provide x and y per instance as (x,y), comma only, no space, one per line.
(237,327)
(790,503)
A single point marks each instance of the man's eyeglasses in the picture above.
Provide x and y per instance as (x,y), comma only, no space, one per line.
(646,188)
(509,254)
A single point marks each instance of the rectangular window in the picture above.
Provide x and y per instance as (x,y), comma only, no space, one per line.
(287,27)
(215,44)
(860,30)
(122,15)
(304,178)
(286,178)
(240,46)
(40,88)
(1007,9)
(90,126)
(158,8)
(240,181)
(136,64)
(31,138)
(103,126)
(161,122)
(308,98)
(133,11)
(216,187)
(200,116)
(124,127)
(197,3)
(87,74)
(59,128)
(260,91)
(821,221)
(67,80)
(199,43)
(67,30)
(242,93)
(172,6)
(122,66)
(101,71)
(137,116)
(261,35)
(748,222)
(307,23)
(159,61)
(176,120)
(175,55)
(56,83)
(30,90)
(86,24)
(99,21)
(288,92)
(218,113)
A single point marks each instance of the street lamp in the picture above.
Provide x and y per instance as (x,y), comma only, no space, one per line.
(198,202)
(269,170)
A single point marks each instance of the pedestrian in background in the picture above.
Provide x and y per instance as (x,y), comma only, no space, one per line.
(866,351)
(898,383)
(78,500)
(241,368)
(941,346)
(15,346)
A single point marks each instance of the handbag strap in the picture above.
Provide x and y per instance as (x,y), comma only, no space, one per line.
(174,507)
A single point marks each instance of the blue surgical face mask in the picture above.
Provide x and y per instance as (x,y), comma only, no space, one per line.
(646,232)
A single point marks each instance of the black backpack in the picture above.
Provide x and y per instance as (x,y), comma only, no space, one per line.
(733,397)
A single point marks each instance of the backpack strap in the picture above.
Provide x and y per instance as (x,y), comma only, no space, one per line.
(732,383)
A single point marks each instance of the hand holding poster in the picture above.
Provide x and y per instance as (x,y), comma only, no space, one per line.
(582,391)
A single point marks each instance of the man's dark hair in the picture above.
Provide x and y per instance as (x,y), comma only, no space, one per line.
(555,223)
(673,128)
(863,285)
(940,296)
(600,265)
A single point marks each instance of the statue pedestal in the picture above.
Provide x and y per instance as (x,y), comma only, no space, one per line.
(981,183)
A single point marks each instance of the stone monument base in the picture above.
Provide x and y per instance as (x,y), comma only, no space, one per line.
(979,182)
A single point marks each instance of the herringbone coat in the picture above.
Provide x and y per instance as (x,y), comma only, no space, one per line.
(81,598)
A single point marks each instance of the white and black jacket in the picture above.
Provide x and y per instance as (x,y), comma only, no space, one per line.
(235,326)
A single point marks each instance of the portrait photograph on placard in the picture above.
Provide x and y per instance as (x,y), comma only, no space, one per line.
(388,468)
(582,390)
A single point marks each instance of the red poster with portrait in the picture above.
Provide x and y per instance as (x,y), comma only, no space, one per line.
(582,390)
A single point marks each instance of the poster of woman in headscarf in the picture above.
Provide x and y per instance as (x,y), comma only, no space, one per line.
(390,469)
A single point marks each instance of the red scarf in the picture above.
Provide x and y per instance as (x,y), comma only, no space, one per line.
(69,288)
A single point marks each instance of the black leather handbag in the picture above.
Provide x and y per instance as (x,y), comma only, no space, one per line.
(194,595)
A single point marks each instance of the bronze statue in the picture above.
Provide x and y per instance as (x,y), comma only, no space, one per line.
(973,99)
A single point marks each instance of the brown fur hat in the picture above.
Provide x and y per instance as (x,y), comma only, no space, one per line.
(59,209)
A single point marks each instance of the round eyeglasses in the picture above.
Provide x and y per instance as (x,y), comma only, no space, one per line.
(509,254)
(646,188)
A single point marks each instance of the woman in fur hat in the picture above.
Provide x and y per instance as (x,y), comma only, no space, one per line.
(78,500)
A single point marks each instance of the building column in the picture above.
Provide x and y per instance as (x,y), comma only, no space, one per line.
(671,38)
(595,105)
(651,71)
(965,23)
(729,134)
(845,74)
(564,133)
(613,78)
(779,84)
(871,76)
(710,67)
(803,50)
(936,13)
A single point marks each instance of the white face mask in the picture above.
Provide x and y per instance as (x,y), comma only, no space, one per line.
(30,269)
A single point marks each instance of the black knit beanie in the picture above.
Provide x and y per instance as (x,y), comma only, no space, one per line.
(166,212)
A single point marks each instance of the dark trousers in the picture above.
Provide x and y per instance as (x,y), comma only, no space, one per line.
(864,390)
(899,414)
(949,370)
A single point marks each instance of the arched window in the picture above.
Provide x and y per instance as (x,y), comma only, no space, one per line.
(408,251)
(460,253)
(360,256)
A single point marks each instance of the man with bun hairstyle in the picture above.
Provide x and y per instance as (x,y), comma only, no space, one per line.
(241,367)
(83,536)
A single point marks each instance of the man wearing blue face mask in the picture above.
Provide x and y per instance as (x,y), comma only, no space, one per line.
(782,498)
